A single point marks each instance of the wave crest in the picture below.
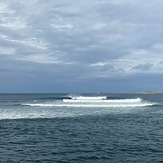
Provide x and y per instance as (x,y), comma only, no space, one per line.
(100,100)
(88,97)
(91,105)
(94,102)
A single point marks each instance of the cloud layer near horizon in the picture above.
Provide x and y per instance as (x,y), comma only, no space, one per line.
(68,42)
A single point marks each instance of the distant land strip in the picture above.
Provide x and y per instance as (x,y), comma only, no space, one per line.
(144,92)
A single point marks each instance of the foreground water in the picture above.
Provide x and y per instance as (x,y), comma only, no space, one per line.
(53,128)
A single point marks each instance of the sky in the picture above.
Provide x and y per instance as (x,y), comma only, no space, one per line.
(50,46)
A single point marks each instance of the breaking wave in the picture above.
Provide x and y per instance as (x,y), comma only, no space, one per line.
(90,105)
(103,101)
(88,97)
(96,102)
(72,107)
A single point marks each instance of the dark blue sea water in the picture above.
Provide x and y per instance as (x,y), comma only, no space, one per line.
(49,128)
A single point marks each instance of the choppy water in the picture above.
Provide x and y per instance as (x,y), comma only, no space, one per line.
(53,128)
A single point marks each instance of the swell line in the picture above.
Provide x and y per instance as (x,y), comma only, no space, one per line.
(89,105)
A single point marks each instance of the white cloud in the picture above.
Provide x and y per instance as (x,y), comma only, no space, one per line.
(35,42)
(62,27)
(99,64)
(28,42)
(39,58)
(13,23)
(9,19)
(6,50)
(4,9)
(3,36)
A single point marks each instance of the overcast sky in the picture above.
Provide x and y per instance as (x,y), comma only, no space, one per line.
(81,45)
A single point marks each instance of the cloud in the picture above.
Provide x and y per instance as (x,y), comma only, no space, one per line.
(99,64)
(6,51)
(38,58)
(143,67)
(161,62)
(84,40)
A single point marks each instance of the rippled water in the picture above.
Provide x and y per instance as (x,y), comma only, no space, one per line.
(55,133)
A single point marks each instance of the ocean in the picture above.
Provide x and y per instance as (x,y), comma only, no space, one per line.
(85,128)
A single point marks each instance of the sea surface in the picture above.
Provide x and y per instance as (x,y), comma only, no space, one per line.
(85,128)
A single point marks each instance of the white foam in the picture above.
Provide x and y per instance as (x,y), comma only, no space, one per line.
(88,98)
(96,102)
(91,105)
(84,100)
(74,108)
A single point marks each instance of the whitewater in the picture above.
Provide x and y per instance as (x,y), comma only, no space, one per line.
(94,101)
(68,106)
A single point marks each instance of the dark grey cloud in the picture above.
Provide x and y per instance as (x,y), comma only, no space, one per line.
(161,62)
(73,41)
(142,67)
